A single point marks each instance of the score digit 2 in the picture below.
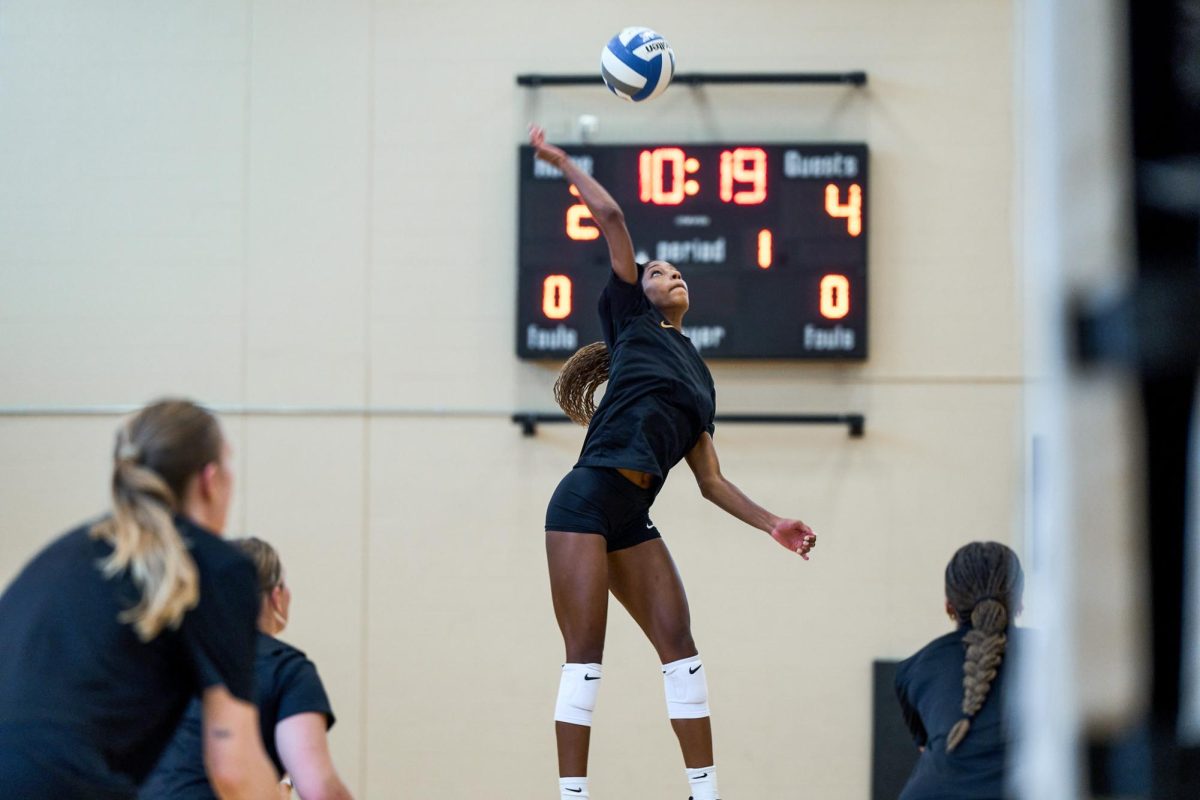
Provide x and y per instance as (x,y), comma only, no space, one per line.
(576,214)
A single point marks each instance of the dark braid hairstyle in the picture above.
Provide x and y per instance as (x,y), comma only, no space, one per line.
(984,582)
(582,374)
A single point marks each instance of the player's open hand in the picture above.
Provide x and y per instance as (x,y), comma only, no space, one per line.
(545,151)
(795,536)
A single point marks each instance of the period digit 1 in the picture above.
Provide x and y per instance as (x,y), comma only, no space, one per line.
(765,248)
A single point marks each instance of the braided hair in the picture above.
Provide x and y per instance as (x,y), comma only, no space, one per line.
(983,582)
(582,374)
(578,380)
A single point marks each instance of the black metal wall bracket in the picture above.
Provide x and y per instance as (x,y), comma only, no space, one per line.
(855,423)
(854,78)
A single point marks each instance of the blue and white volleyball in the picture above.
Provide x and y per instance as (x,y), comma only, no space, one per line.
(637,64)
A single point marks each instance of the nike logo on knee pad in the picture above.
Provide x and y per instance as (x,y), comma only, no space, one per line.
(588,678)
(694,671)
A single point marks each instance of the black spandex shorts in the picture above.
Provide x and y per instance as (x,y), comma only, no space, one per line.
(602,500)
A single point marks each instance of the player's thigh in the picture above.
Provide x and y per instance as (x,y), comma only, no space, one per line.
(645,580)
(578,567)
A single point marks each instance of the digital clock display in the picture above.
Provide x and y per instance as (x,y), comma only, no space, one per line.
(771,239)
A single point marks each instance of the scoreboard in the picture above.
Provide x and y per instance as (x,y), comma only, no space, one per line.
(771,239)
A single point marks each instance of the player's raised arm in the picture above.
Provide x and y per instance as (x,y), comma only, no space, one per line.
(605,211)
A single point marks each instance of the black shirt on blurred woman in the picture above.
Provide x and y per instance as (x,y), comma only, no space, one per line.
(929,686)
(287,684)
(86,707)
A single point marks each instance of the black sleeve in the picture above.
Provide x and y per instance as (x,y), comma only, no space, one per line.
(619,303)
(301,690)
(907,709)
(218,635)
(711,427)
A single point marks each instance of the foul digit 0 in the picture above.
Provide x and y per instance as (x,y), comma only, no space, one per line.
(556,297)
(835,296)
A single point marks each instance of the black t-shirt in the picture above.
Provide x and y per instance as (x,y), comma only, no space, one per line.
(660,396)
(86,700)
(929,686)
(288,684)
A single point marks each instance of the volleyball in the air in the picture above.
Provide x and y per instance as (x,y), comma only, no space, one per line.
(637,64)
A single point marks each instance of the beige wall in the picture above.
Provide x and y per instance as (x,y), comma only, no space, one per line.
(306,206)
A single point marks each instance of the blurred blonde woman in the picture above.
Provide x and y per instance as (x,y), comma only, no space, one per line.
(294,711)
(110,630)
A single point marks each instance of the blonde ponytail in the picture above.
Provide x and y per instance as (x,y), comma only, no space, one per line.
(157,453)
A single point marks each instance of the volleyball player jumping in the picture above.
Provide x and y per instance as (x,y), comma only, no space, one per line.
(658,409)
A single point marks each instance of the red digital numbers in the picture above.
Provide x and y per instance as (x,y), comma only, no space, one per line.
(835,296)
(766,248)
(576,214)
(556,297)
(664,179)
(745,165)
(851,211)
(662,176)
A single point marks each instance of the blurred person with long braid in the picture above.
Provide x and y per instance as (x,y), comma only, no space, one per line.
(952,691)
(107,634)
(294,711)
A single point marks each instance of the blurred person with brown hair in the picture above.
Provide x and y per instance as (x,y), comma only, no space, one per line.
(294,711)
(109,632)
(952,691)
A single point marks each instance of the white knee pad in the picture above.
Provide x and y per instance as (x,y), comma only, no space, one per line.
(577,693)
(687,689)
